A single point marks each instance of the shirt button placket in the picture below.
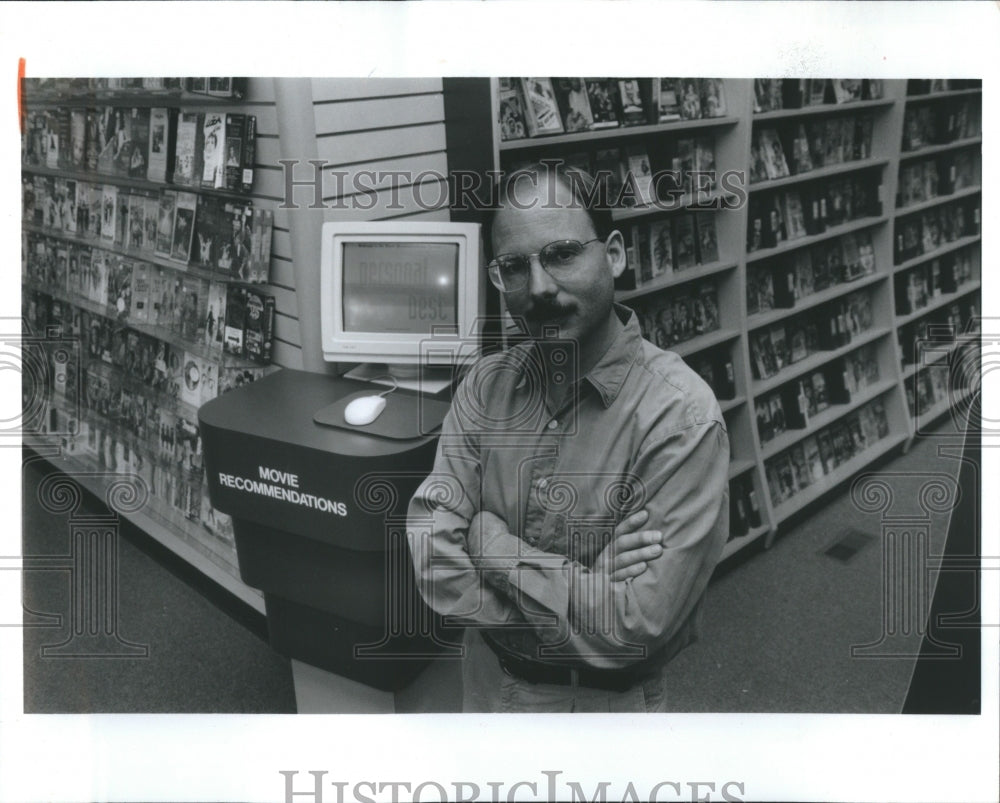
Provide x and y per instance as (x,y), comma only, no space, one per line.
(536,514)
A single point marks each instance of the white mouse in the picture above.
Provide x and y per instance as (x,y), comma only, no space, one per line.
(364,410)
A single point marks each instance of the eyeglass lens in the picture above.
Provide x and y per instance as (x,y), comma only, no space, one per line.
(555,257)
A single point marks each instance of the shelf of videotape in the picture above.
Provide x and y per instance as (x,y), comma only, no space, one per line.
(810,247)
(143,250)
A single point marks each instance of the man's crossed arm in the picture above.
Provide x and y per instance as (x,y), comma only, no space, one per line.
(639,593)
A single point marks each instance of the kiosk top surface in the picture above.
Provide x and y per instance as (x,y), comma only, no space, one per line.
(281,407)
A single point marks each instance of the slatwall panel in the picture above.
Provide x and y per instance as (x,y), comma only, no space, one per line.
(377,113)
(366,130)
(287,351)
(341,89)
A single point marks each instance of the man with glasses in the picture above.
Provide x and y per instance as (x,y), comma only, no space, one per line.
(579,499)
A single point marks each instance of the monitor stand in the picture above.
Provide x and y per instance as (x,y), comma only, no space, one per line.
(431,380)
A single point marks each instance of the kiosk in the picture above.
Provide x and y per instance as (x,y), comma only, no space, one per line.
(319,520)
(317,494)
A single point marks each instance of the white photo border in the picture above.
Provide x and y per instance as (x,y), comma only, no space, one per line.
(221,757)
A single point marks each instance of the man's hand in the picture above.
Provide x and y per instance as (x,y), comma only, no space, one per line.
(626,555)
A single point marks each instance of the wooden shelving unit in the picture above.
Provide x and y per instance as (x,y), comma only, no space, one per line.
(821,110)
(841,473)
(940,200)
(674,279)
(761,319)
(813,239)
(933,150)
(940,251)
(940,301)
(732,140)
(617,134)
(741,541)
(966,296)
(790,437)
(818,174)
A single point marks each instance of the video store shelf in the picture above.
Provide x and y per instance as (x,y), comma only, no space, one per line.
(163,400)
(947,93)
(168,535)
(143,446)
(701,202)
(619,132)
(734,545)
(145,100)
(737,467)
(705,341)
(760,319)
(727,405)
(732,145)
(158,332)
(939,351)
(965,192)
(127,181)
(815,360)
(803,242)
(825,108)
(136,254)
(932,150)
(842,472)
(942,300)
(223,553)
(792,436)
(952,398)
(819,173)
(674,279)
(941,250)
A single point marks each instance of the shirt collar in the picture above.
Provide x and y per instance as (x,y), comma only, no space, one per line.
(610,372)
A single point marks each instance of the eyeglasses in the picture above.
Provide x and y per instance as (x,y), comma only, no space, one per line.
(510,273)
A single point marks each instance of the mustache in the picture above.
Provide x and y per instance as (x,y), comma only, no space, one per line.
(546,311)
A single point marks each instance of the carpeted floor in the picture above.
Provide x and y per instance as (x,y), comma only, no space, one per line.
(779,627)
(199,660)
(778,633)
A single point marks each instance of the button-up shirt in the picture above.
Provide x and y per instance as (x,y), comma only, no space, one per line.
(640,431)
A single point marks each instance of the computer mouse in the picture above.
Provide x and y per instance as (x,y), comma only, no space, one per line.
(364,410)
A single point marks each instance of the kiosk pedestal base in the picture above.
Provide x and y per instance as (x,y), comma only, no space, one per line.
(437,690)
(319,517)
(320,692)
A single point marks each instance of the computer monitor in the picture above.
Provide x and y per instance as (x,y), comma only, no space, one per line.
(390,291)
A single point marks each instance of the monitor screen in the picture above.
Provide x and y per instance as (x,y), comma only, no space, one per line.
(400,287)
(392,292)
